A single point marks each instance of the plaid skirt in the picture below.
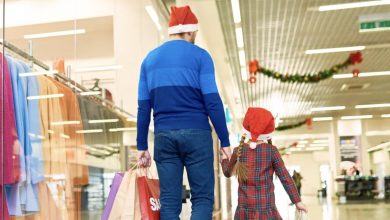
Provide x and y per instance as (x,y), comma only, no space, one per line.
(255,214)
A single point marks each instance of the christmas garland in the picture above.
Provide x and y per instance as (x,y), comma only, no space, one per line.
(354,58)
(307,121)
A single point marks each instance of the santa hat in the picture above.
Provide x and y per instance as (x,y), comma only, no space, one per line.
(258,125)
(182,20)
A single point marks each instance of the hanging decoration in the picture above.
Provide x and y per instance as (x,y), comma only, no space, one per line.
(307,121)
(355,72)
(254,68)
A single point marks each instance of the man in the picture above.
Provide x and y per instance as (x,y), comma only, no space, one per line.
(178,82)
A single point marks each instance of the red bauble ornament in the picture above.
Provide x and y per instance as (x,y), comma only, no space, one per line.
(309,123)
(355,72)
(252,79)
(254,66)
(355,58)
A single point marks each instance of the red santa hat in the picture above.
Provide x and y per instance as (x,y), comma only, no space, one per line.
(258,125)
(182,20)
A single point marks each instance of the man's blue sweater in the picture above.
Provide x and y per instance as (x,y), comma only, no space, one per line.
(178,82)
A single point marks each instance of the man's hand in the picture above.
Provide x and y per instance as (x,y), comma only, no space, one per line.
(144,159)
(226,153)
(301,207)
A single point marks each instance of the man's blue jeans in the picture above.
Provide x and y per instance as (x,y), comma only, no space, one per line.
(192,149)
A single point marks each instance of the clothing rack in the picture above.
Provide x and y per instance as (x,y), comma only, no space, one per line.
(67,80)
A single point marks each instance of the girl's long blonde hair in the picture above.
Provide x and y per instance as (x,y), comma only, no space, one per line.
(240,169)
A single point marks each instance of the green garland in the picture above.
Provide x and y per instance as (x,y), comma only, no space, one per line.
(287,127)
(254,68)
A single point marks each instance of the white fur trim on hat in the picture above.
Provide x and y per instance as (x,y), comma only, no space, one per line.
(262,137)
(182,28)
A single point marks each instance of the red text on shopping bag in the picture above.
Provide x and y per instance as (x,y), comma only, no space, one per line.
(149,198)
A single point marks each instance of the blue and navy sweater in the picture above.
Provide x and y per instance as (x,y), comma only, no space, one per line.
(178,82)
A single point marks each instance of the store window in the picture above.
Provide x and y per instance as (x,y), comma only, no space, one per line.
(69,80)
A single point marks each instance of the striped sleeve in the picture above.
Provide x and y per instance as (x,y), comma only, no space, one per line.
(144,111)
(212,99)
(284,176)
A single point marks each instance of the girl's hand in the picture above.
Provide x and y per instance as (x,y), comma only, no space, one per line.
(301,207)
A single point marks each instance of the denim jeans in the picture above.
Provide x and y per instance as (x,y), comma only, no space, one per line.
(192,149)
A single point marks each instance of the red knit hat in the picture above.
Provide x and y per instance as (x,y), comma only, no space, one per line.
(259,123)
(182,20)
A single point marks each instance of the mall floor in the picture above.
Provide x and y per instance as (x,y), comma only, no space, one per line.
(326,209)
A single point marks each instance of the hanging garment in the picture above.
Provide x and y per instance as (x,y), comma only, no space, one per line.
(22,197)
(54,147)
(75,151)
(10,155)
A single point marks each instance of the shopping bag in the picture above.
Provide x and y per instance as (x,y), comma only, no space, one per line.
(116,182)
(131,209)
(301,215)
(149,197)
(120,198)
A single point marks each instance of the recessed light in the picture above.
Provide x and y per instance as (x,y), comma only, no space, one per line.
(45,96)
(54,34)
(385,116)
(352,5)
(241,56)
(103,121)
(330,108)
(236,11)
(351,117)
(89,131)
(239,38)
(367,74)
(382,105)
(315,148)
(322,118)
(65,123)
(335,50)
(122,129)
(51,72)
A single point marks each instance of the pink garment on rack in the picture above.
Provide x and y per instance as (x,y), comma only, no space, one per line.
(9,161)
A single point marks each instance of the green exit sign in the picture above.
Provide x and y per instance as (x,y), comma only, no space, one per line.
(374,22)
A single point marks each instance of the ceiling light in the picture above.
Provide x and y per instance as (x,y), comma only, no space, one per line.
(89,131)
(382,105)
(374,29)
(64,136)
(97,68)
(241,56)
(54,34)
(301,145)
(65,123)
(335,50)
(236,11)
(303,142)
(353,5)
(103,121)
(90,93)
(385,116)
(322,118)
(320,141)
(153,15)
(51,72)
(368,74)
(330,108)
(356,117)
(122,129)
(378,133)
(319,145)
(315,148)
(239,38)
(45,96)
(50,131)
(133,119)
(244,74)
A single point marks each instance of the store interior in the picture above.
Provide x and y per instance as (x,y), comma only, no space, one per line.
(74,69)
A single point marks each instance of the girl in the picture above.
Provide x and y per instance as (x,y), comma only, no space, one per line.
(255,164)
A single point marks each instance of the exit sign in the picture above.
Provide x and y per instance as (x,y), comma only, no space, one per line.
(376,22)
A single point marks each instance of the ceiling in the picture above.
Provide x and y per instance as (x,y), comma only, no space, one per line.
(278,32)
